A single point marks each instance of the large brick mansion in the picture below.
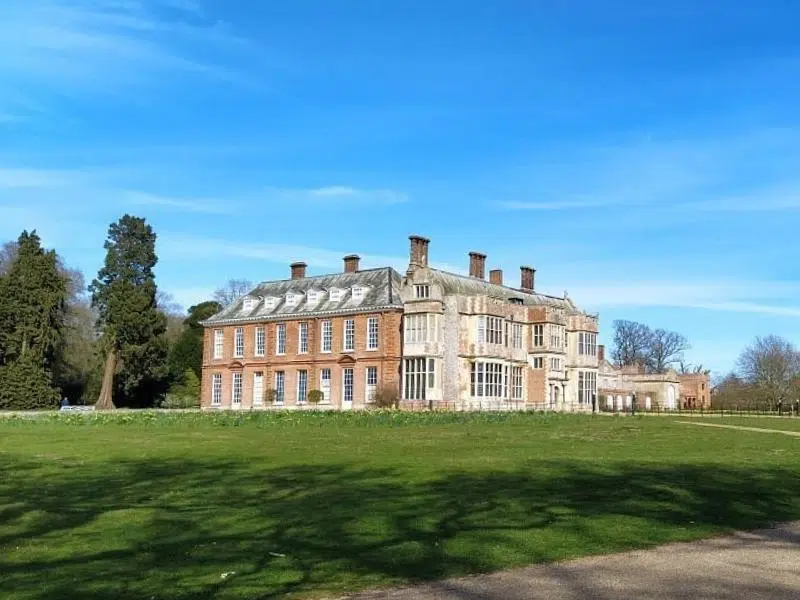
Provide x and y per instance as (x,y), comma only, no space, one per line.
(438,339)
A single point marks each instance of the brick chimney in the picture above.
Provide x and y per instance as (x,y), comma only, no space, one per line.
(477,265)
(496,276)
(418,255)
(601,353)
(351,263)
(298,270)
(526,279)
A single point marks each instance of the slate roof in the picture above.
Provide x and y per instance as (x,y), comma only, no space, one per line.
(471,286)
(382,292)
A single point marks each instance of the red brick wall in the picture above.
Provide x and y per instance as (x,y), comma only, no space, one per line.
(386,358)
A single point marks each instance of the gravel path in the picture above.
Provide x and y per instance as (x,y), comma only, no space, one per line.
(757,564)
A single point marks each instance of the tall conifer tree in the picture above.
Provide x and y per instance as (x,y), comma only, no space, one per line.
(124,295)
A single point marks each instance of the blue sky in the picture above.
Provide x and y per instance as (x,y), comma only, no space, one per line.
(644,156)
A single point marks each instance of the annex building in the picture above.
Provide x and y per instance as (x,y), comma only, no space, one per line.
(434,338)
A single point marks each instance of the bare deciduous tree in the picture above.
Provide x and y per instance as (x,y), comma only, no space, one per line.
(232,291)
(664,349)
(772,365)
(631,341)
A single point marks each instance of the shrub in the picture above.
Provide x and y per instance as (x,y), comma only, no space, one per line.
(315,396)
(270,395)
(386,397)
(185,393)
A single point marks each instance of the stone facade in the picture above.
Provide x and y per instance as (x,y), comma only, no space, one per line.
(438,339)
(481,345)
(617,387)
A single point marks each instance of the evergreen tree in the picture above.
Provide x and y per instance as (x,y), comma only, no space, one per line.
(187,353)
(124,295)
(33,297)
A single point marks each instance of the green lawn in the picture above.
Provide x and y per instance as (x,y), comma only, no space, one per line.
(265,506)
(782,423)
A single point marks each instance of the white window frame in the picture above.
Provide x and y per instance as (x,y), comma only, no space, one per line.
(302,386)
(494,330)
(280,387)
(516,335)
(349,337)
(415,378)
(216,389)
(238,342)
(538,335)
(422,291)
(488,379)
(258,399)
(325,384)
(248,304)
(326,337)
(261,341)
(280,339)
(348,387)
(219,344)
(481,334)
(516,383)
(373,338)
(371,388)
(302,338)
(555,363)
(237,389)
(335,294)
(538,362)
(416,328)
(358,292)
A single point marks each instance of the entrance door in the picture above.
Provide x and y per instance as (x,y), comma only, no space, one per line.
(347,389)
(258,389)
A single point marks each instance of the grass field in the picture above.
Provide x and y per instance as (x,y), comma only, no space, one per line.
(309,505)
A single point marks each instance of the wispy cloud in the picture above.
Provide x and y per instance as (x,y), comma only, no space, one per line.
(343,194)
(35,178)
(178,246)
(89,47)
(761,297)
(753,171)
(204,206)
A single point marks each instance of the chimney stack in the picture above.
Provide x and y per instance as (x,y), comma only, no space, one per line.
(298,270)
(477,265)
(351,263)
(526,279)
(496,276)
(418,256)
(601,353)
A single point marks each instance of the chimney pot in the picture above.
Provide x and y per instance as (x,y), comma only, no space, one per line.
(527,279)
(418,254)
(496,276)
(351,262)
(298,270)
(477,265)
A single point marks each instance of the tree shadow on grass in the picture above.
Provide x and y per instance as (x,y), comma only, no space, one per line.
(183,529)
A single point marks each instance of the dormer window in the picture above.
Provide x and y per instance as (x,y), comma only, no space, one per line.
(313,297)
(249,303)
(336,294)
(515,300)
(422,291)
(359,291)
(293,298)
(270,302)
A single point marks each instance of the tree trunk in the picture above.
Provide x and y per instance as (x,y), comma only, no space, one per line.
(106,399)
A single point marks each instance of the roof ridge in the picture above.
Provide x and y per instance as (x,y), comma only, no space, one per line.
(340,273)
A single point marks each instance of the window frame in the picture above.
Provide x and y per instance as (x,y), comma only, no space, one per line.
(238,342)
(219,344)
(373,333)
(422,291)
(260,342)
(326,336)
(302,337)
(237,388)
(301,387)
(349,335)
(216,389)
(280,339)
(280,387)
(348,386)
